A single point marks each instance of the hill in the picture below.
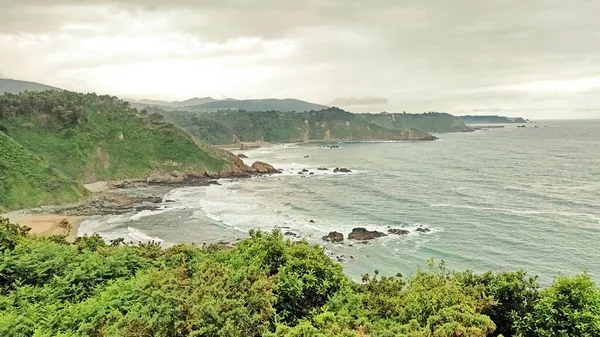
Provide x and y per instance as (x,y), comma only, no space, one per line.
(26,180)
(15,86)
(210,104)
(266,286)
(430,121)
(332,124)
(165,104)
(270,104)
(492,120)
(87,138)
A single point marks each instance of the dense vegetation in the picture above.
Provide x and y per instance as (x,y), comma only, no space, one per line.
(265,286)
(86,137)
(27,180)
(226,127)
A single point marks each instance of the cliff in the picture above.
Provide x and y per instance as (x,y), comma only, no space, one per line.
(333,124)
(430,121)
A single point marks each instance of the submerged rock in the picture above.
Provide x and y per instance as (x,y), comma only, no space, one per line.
(423,230)
(322,169)
(341,170)
(334,237)
(361,233)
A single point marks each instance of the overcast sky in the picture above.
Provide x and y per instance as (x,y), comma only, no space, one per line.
(535,58)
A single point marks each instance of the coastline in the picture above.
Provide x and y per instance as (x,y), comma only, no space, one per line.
(48,224)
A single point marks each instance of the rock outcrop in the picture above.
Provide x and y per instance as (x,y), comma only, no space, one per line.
(362,234)
(264,168)
(334,237)
(398,231)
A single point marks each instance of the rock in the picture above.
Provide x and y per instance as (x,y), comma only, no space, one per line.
(241,155)
(423,230)
(290,233)
(334,237)
(322,169)
(334,147)
(211,174)
(304,170)
(299,172)
(311,173)
(264,168)
(305,156)
(360,233)
(341,170)
(398,231)
(311,221)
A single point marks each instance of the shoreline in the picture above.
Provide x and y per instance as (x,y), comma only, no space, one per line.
(48,224)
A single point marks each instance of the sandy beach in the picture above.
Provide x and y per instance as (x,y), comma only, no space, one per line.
(48,224)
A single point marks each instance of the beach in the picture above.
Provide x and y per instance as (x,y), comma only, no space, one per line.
(48,224)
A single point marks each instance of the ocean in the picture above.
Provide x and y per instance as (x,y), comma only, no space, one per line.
(498,199)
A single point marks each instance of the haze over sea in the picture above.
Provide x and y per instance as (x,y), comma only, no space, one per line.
(500,199)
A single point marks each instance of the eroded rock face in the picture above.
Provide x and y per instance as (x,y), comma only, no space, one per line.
(334,237)
(264,168)
(361,234)
(398,231)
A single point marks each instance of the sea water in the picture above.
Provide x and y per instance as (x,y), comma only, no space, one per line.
(499,199)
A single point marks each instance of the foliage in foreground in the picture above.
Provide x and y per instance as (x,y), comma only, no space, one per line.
(265,286)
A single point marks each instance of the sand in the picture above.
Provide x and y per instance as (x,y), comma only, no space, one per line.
(47,224)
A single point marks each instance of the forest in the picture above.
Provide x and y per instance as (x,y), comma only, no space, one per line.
(266,286)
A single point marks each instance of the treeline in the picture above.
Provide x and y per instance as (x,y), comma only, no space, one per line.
(265,286)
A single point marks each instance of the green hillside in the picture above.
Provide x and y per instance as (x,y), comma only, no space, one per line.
(431,121)
(266,286)
(226,127)
(15,86)
(90,137)
(86,138)
(26,180)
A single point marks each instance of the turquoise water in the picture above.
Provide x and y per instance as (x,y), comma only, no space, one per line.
(501,199)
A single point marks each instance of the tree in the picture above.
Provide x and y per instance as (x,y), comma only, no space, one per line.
(570,307)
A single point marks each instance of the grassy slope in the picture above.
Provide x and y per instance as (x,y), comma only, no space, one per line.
(271,126)
(110,142)
(26,180)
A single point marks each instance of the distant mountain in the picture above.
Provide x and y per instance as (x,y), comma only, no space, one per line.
(16,86)
(269,104)
(492,119)
(193,101)
(210,104)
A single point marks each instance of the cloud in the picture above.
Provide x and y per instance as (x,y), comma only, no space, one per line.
(423,55)
(353,101)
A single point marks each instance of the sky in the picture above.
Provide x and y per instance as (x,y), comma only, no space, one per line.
(535,58)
